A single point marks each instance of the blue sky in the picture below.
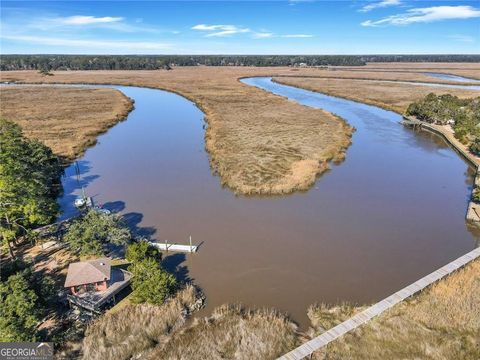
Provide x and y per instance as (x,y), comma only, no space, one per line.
(235,27)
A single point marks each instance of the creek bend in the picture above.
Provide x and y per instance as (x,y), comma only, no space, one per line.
(391,213)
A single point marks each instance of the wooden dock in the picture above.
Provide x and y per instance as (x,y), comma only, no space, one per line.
(165,246)
(361,318)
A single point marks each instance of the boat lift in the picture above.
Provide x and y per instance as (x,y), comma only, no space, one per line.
(85,202)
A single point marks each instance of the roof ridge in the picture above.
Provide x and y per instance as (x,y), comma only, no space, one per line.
(97,270)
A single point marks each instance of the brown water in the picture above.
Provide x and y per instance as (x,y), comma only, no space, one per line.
(390,214)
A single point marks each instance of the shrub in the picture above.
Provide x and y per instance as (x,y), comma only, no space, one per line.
(475,147)
(150,282)
(141,250)
(476,195)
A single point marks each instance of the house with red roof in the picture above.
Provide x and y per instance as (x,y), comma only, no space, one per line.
(94,284)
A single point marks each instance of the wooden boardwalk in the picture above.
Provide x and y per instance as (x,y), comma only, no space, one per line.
(320,341)
(473,210)
(448,136)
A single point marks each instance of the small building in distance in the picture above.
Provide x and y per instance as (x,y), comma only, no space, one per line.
(94,284)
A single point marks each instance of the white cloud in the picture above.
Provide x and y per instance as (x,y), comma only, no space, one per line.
(263,35)
(269,35)
(425,15)
(220,30)
(295,2)
(226,30)
(380,4)
(462,38)
(297,36)
(87,20)
(126,46)
(204,27)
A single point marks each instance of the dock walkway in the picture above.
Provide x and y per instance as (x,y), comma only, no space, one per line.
(354,322)
(174,247)
(445,134)
(473,209)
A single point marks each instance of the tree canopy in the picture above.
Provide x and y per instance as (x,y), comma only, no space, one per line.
(141,250)
(30,182)
(91,232)
(18,310)
(155,62)
(464,113)
(150,283)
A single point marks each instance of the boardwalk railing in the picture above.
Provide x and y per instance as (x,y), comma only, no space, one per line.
(320,341)
(447,136)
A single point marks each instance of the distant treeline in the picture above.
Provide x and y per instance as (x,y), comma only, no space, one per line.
(154,62)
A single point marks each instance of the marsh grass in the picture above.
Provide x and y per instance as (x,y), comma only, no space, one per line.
(137,328)
(324,317)
(441,323)
(232,332)
(68,120)
(389,96)
(151,332)
(258,143)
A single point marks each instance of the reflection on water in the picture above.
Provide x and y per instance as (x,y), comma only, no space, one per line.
(391,213)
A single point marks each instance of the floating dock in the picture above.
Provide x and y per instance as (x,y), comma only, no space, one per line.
(165,246)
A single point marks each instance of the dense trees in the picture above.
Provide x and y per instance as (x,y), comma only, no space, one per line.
(421,58)
(25,297)
(464,114)
(150,282)
(18,310)
(29,183)
(91,232)
(154,62)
